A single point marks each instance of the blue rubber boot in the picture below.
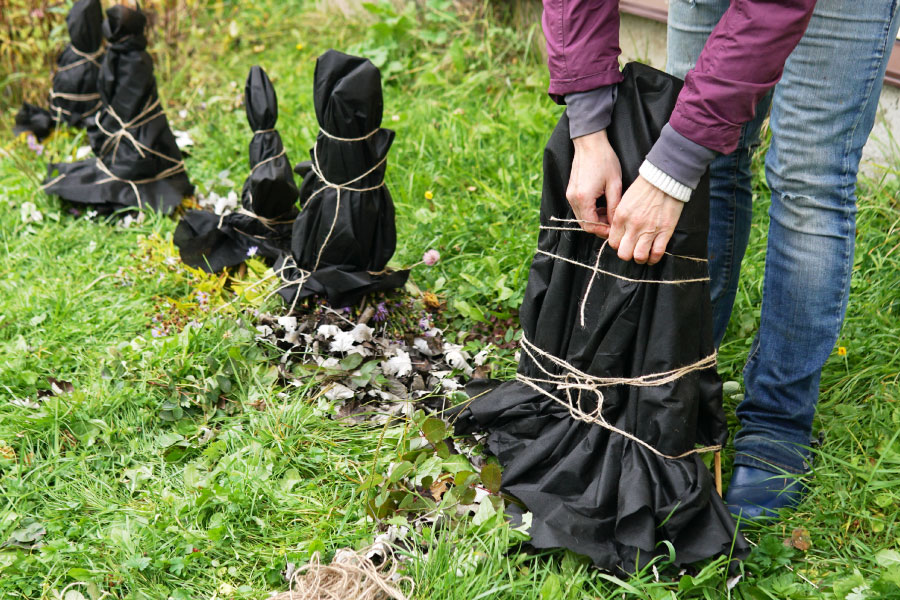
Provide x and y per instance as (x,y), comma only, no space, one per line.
(756,494)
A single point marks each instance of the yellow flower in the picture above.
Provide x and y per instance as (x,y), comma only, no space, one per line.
(429,195)
(842,351)
(299,46)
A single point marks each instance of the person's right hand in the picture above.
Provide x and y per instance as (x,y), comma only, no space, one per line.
(595,172)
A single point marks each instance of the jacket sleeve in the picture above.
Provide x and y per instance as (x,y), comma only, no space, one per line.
(582,45)
(743,58)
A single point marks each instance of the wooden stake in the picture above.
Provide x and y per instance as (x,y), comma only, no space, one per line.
(717,464)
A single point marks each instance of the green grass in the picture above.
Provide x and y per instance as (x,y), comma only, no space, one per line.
(143,506)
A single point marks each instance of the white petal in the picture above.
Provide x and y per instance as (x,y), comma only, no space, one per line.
(338,392)
(289,323)
(328,331)
(362,333)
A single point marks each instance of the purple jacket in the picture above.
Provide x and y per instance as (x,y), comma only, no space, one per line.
(743,58)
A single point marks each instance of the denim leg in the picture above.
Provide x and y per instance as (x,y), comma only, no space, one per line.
(730,196)
(822,113)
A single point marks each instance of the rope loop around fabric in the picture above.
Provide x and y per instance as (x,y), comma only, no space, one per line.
(86,57)
(597,270)
(572,382)
(343,139)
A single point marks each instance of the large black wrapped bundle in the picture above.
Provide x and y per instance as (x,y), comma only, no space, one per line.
(617,386)
(263,224)
(74,96)
(137,164)
(345,233)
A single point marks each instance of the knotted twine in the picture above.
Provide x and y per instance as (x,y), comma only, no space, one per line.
(86,57)
(572,381)
(266,222)
(350,576)
(150,112)
(338,187)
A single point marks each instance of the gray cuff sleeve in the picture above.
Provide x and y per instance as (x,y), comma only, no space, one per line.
(591,111)
(680,158)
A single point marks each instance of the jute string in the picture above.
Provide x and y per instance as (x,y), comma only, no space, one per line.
(150,112)
(343,139)
(338,187)
(147,114)
(266,222)
(74,98)
(596,267)
(86,57)
(350,576)
(573,381)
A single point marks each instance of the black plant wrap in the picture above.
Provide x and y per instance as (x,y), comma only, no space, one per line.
(212,242)
(591,489)
(74,95)
(138,165)
(344,238)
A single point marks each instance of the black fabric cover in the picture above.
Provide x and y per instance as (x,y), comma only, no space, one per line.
(589,489)
(346,253)
(75,77)
(269,192)
(127,89)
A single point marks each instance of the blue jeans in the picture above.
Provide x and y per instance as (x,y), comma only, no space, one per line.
(822,112)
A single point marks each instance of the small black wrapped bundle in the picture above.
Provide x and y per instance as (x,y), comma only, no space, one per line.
(617,394)
(263,225)
(137,164)
(74,95)
(345,233)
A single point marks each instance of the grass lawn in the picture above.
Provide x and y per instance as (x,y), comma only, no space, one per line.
(138,501)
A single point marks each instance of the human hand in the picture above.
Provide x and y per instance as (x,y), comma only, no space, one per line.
(595,172)
(643,222)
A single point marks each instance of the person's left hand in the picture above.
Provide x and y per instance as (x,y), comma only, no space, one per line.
(643,222)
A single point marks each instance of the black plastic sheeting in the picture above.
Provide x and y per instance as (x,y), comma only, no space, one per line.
(264,224)
(344,238)
(138,165)
(590,489)
(74,94)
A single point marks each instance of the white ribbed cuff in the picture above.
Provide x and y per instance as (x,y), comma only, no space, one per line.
(664,183)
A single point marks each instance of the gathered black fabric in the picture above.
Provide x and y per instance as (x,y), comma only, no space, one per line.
(591,489)
(74,96)
(263,226)
(137,164)
(345,233)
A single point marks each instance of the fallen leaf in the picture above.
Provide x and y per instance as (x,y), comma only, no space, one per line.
(439,487)
(799,539)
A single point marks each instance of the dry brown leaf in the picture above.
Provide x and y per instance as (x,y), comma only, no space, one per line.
(799,539)
(439,486)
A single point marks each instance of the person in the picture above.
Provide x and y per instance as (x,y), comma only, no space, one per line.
(828,59)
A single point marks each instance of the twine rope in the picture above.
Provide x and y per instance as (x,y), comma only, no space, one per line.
(74,98)
(350,575)
(343,139)
(266,222)
(86,57)
(259,131)
(290,264)
(150,112)
(596,266)
(574,380)
(339,187)
(165,173)
(268,160)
